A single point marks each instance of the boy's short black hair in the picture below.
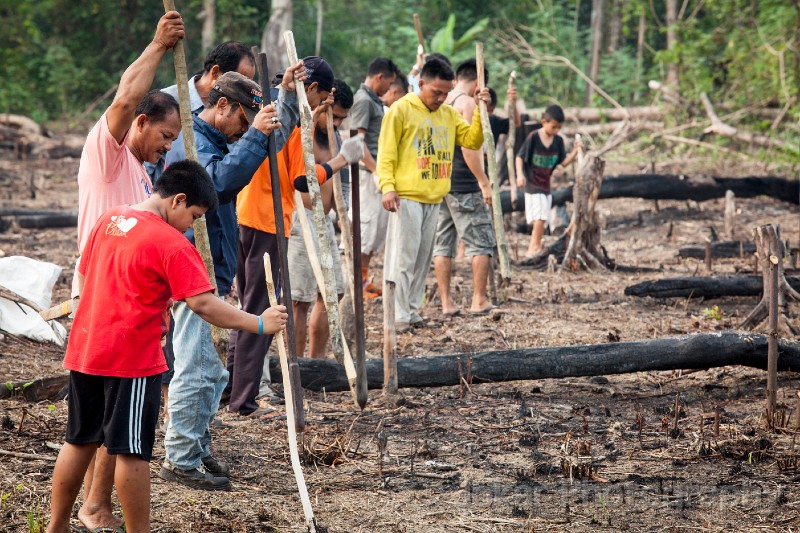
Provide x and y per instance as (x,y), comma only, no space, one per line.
(554,112)
(467,70)
(493,97)
(157,105)
(401,82)
(382,65)
(191,179)
(436,68)
(343,95)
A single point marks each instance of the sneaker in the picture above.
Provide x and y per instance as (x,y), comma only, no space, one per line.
(218,468)
(196,478)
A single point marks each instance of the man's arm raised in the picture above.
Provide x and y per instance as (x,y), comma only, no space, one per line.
(138,77)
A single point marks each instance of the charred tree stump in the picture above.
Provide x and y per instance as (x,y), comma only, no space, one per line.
(583,249)
(770,253)
(710,287)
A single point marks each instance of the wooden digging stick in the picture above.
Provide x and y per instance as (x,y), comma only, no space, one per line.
(488,145)
(288,391)
(326,260)
(358,294)
(341,206)
(511,140)
(63,309)
(308,238)
(420,38)
(389,343)
(283,254)
(201,242)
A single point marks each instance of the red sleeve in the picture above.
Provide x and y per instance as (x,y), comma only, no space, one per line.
(186,273)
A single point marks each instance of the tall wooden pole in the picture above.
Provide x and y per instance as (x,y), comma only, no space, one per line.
(291,414)
(511,139)
(201,242)
(283,253)
(775,257)
(326,260)
(389,342)
(358,294)
(341,205)
(420,38)
(488,146)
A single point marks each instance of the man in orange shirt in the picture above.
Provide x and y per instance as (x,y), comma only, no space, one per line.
(257,236)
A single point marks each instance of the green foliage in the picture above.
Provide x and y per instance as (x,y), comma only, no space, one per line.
(713,313)
(444,41)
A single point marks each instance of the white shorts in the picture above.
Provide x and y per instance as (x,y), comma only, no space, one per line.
(374,218)
(537,207)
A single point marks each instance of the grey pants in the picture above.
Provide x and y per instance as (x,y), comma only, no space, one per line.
(409,248)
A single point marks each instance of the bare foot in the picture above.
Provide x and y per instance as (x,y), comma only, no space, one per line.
(98,518)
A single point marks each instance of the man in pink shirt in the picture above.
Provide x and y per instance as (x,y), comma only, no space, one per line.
(138,127)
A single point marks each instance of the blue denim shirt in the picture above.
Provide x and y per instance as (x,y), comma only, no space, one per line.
(231,168)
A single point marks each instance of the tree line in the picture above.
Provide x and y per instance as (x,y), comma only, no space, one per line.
(59,56)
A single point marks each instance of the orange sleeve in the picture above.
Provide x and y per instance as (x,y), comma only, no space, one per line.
(296,166)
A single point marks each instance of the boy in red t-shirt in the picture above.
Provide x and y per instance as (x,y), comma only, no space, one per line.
(135,260)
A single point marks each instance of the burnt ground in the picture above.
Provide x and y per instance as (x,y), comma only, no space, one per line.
(490,457)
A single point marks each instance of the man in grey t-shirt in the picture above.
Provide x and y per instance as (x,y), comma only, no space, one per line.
(366,116)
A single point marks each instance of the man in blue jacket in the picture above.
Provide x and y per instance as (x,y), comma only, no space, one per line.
(231,117)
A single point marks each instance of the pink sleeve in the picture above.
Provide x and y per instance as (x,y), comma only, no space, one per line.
(107,154)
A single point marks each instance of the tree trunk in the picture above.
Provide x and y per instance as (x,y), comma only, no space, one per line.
(280,21)
(720,249)
(52,388)
(598,7)
(704,350)
(713,287)
(614,25)
(209,16)
(672,41)
(640,41)
(670,187)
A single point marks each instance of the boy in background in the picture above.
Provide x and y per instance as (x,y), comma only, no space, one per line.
(539,156)
(134,261)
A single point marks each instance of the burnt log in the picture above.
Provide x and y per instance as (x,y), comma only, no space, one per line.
(720,249)
(712,287)
(706,350)
(51,220)
(671,187)
(37,390)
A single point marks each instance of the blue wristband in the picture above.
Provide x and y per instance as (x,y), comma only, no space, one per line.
(260,325)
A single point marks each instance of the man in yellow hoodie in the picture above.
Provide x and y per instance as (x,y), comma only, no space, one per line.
(415,159)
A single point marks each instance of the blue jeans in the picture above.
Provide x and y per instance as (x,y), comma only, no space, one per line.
(194,391)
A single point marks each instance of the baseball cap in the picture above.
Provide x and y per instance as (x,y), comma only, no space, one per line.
(243,90)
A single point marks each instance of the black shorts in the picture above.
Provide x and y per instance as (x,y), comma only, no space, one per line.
(121,413)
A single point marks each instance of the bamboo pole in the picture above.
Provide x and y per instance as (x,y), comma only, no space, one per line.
(511,139)
(488,145)
(420,38)
(291,418)
(341,206)
(389,342)
(326,260)
(358,294)
(308,238)
(201,242)
(283,252)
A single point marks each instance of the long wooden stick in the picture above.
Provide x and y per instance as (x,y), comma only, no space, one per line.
(511,139)
(341,205)
(420,38)
(358,294)
(283,253)
(308,238)
(326,260)
(201,242)
(291,419)
(774,259)
(389,342)
(488,145)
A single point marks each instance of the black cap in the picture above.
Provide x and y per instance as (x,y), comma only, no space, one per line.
(242,90)
(317,69)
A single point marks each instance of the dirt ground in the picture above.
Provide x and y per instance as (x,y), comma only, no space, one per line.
(481,458)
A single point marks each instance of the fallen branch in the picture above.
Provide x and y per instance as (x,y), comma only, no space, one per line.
(37,390)
(719,249)
(705,350)
(721,128)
